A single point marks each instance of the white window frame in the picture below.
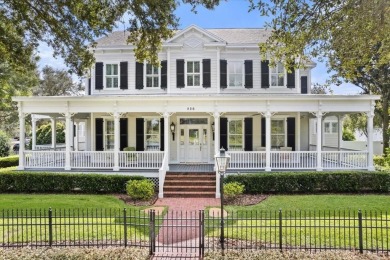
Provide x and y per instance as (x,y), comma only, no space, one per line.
(145,77)
(242,134)
(146,134)
(331,127)
(111,76)
(105,134)
(284,119)
(200,72)
(242,73)
(284,76)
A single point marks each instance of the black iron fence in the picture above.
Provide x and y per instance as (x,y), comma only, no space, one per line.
(197,231)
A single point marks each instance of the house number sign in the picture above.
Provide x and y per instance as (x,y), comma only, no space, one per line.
(190,108)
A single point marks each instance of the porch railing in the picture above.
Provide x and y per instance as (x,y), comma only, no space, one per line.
(141,160)
(246,160)
(345,160)
(92,159)
(44,159)
(293,160)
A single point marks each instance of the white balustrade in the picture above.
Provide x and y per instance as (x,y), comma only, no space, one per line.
(246,160)
(141,160)
(92,159)
(345,160)
(44,159)
(161,175)
(293,159)
(47,147)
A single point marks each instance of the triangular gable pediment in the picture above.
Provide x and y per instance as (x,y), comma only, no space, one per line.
(194,36)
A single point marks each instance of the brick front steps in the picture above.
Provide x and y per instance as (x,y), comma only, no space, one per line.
(189,185)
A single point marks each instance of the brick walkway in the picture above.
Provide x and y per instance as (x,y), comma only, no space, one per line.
(178,237)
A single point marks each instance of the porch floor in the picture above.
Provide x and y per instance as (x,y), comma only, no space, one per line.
(191,167)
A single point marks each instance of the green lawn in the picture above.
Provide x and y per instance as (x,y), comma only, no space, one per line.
(58,201)
(320,202)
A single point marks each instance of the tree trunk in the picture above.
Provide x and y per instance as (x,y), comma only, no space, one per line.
(385,125)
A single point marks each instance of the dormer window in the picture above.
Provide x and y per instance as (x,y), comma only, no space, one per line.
(193,73)
(277,75)
(235,71)
(112,76)
(152,76)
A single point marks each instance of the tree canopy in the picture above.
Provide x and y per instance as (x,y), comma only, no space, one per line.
(72,27)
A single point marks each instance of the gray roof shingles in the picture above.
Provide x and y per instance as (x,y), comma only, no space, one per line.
(230,36)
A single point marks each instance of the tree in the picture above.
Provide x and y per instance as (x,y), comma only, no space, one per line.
(71,27)
(352,35)
(56,82)
(321,89)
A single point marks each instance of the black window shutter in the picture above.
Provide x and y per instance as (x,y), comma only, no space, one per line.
(223,73)
(99,75)
(162,134)
(180,74)
(248,134)
(139,75)
(304,85)
(99,134)
(291,79)
(263,132)
(223,133)
(89,86)
(164,78)
(265,74)
(123,126)
(291,132)
(123,70)
(248,73)
(206,73)
(139,129)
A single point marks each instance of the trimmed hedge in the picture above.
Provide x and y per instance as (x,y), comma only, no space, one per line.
(9,161)
(312,182)
(42,182)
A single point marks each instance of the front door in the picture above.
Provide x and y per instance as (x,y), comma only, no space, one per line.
(194,143)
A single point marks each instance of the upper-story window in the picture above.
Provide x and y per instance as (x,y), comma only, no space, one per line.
(152,134)
(235,71)
(152,76)
(193,73)
(236,132)
(112,76)
(277,75)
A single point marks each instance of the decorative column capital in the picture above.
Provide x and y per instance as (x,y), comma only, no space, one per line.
(116,115)
(319,114)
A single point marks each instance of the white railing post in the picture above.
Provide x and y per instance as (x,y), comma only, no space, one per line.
(21,138)
(370,139)
(319,140)
(268,141)
(68,136)
(116,141)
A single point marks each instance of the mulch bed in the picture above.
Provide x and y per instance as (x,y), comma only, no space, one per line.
(246,200)
(129,201)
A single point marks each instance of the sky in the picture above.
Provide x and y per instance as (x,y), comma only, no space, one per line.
(230,14)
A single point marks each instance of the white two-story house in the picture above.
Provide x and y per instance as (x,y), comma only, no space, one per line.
(212,90)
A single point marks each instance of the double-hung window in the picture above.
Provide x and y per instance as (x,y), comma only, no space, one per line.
(193,73)
(236,132)
(278,133)
(109,135)
(235,70)
(152,134)
(330,127)
(277,75)
(112,76)
(152,76)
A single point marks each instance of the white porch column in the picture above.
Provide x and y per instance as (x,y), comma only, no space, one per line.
(268,141)
(22,137)
(117,141)
(339,132)
(167,132)
(53,132)
(370,140)
(34,132)
(298,131)
(76,135)
(319,140)
(217,144)
(68,139)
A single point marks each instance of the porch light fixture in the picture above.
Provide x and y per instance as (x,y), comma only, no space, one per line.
(173,129)
(222,161)
(213,129)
